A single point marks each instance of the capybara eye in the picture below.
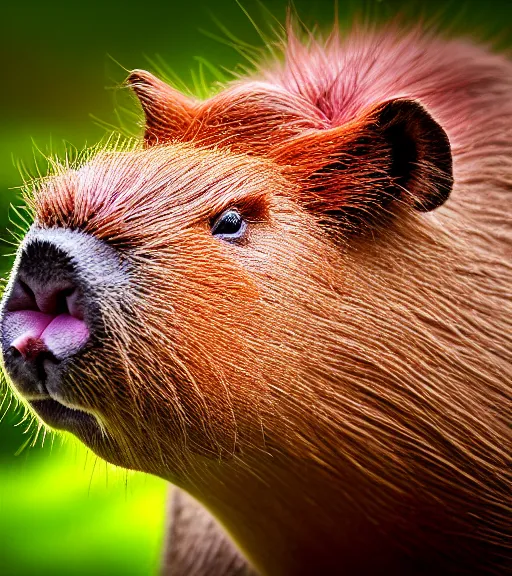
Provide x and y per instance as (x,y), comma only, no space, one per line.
(230,225)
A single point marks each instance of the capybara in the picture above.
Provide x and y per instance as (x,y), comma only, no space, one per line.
(292,301)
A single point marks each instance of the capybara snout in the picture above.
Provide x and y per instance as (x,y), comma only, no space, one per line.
(52,314)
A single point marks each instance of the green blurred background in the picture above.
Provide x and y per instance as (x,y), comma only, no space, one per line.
(62,510)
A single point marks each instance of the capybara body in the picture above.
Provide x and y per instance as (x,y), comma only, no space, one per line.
(293,302)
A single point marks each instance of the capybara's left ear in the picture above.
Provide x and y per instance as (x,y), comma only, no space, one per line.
(168,112)
(394,152)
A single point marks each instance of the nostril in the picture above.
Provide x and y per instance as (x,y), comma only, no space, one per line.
(73,304)
(52,299)
(27,291)
(55,298)
(21,298)
(61,300)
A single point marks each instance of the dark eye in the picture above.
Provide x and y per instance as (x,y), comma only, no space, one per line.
(229,225)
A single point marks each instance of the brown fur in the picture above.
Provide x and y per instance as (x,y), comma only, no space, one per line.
(337,396)
(196,545)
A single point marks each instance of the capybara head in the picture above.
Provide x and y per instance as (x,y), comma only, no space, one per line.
(264,280)
(169,287)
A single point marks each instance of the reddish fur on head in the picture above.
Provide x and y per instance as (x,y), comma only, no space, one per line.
(336,388)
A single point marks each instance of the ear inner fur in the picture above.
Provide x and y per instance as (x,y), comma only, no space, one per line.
(422,160)
(394,152)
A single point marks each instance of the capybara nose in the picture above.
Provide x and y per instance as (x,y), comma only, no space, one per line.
(43,311)
(52,314)
(45,317)
(52,310)
(51,305)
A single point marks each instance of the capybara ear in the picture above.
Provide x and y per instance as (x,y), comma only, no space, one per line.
(395,152)
(168,112)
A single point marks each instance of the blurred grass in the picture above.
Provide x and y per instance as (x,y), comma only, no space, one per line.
(62,511)
(60,516)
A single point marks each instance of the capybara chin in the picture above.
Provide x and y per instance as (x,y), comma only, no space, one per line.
(292,300)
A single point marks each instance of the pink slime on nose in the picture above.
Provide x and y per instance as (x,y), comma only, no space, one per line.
(65,335)
(62,335)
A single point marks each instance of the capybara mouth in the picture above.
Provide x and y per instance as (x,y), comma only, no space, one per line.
(44,385)
(39,349)
(63,417)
